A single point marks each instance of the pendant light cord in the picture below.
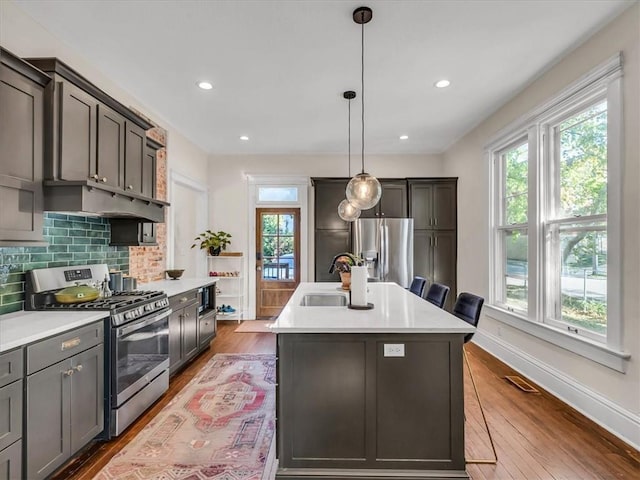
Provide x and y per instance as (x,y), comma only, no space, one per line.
(362,89)
(349,174)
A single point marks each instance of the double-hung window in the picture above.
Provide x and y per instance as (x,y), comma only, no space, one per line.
(575,226)
(512,227)
(555,236)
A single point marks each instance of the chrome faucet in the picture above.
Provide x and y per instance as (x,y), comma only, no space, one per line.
(355,260)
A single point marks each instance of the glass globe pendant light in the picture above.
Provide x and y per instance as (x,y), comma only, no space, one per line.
(364,190)
(346,210)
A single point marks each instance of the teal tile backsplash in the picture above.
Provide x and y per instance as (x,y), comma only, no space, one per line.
(73,240)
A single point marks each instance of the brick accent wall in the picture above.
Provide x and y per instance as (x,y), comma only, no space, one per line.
(149,263)
(73,240)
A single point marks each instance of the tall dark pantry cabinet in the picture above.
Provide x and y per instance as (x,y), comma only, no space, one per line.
(431,202)
(433,207)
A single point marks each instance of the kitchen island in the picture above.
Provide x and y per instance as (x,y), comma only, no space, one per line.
(366,394)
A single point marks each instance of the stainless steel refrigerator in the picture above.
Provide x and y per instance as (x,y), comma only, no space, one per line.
(386,245)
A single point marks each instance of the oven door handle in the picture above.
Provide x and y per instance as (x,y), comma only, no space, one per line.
(132,328)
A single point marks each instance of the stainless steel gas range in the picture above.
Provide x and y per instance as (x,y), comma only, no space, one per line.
(136,338)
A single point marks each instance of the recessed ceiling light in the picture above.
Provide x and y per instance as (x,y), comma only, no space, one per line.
(244,137)
(442,83)
(205,85)
(404,137)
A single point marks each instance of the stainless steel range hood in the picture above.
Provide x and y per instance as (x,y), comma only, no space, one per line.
(91,198)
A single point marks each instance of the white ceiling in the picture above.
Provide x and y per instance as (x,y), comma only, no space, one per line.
(279,67)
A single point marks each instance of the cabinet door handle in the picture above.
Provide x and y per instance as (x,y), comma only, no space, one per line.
(435,222)
(130,187)
(104,179)
(78,368)
(95,177)
(68,373)
(187,315)
(183,299)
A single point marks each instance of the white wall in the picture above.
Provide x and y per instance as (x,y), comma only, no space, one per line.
(24,37)
(619,393)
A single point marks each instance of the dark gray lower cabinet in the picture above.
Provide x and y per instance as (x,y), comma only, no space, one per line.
(207,329)
(191,328)
(11,462)
(11,387)
(343,405)
(434,258)
(64,406)
(183,330)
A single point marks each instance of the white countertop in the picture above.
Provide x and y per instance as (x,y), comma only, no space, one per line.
(21,328)
(396,310)
(176,287)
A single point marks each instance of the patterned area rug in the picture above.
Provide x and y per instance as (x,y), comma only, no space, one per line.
(219,427)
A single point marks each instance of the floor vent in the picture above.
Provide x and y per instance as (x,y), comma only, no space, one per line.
(521,384)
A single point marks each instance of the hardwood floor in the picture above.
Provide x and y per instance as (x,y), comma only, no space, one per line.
(537,436)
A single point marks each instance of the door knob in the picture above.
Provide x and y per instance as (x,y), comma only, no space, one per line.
(258,268)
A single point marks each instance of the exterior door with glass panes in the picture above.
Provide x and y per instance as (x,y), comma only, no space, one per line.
(277,259)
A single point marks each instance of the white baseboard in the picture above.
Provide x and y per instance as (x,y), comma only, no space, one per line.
(617,420)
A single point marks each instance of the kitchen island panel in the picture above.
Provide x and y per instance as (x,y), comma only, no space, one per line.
(324,403)
(343,405)
(418,400)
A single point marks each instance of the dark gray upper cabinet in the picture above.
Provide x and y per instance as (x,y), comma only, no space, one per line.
(433,203)
(329,192)
(77,138)
(93,136)
(149,162)
(21,152)
(393,202)
(135,156)
(132,232)
(111,132)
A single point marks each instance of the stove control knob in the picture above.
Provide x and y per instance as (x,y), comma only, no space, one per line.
(128,315)
(148,308)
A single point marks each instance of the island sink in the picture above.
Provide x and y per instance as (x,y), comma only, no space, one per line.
(324,300)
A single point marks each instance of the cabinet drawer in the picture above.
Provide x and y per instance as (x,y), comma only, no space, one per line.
(207,329)
(10,414)
(11,462)
(55,349)
(11,366)
(180,301)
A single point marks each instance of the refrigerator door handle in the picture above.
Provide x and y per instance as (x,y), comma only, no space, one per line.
(385,249)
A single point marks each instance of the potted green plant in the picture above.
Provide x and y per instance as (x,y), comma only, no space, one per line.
(215,242)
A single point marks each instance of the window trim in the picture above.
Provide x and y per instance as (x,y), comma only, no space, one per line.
(602,82)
